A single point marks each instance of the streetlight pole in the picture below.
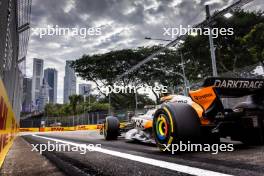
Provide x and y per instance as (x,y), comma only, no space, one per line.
(136,99)
(211,42)
(184,76)
(109,102)
(84,112)
(73,120)
(89,100)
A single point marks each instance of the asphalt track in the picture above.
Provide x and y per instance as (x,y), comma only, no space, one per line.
(121,157)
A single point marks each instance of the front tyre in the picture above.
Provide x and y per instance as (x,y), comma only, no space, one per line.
(111,128)
(175,122)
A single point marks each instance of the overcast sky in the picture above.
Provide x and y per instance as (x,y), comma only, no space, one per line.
(123,23)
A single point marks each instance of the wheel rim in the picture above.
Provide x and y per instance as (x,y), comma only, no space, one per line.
(161,127)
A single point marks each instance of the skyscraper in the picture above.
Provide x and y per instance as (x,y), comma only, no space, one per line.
(37,80)
(84,89)
(27,100)
(51,78)
(69,82)
(44,96)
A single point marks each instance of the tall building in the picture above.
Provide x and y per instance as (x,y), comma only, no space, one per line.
(51,78)
(69,82)
(27,100)
(37,80)
(44,96)
(84,89)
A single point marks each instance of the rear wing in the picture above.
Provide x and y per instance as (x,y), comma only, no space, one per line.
(235,87)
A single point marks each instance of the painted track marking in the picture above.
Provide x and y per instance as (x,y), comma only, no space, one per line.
(154,162)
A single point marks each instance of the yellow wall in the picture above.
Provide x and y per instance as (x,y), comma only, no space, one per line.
(29,129)
(8,124)
(73,128)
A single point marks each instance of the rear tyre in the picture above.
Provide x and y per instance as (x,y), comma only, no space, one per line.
(111,128)
(254,136)
(175,122)
(252,132)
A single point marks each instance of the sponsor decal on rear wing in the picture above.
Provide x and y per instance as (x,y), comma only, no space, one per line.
(235,87)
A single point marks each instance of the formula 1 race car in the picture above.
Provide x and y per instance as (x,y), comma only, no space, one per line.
(201,116)
(204,118)
(139,128)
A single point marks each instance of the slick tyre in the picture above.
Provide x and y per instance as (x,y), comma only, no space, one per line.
(175,122)
(111,128)
(253,135)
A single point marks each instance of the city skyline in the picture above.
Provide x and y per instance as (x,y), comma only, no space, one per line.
(45,79)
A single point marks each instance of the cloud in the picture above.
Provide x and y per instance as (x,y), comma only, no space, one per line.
(124,24)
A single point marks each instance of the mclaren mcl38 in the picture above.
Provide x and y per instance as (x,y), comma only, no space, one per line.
(201,116)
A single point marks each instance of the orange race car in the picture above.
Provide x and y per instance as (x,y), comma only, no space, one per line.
(201,116)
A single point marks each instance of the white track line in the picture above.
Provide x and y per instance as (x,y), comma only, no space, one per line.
(149,161)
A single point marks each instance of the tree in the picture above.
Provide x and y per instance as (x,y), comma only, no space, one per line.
(243,48)
(53,109)
(254,42)
(74,101)
(121,101)
(102,69)
(232,52)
